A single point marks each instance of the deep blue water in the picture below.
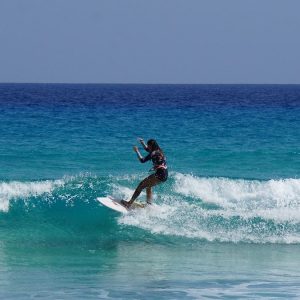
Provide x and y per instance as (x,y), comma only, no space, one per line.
(225,224)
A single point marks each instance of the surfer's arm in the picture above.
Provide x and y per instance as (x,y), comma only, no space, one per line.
(146,158)
(139,155)
(143,144)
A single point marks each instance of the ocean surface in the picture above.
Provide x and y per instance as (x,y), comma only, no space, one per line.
(225,225)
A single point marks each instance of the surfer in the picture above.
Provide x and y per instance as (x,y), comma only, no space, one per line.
(159,167)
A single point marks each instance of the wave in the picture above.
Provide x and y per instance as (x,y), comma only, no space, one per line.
(240,193)
(226,210)
(185,207)
(16,189)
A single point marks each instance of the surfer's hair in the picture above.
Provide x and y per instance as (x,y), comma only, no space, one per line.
(153,145)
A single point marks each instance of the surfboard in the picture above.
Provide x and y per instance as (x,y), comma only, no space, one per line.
(115,204)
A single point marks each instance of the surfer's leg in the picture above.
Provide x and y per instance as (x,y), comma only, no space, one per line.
(148,182)
(149,194)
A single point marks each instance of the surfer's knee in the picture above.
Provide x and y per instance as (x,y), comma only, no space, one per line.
(141,186)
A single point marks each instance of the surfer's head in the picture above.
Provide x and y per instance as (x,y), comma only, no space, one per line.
(152,145)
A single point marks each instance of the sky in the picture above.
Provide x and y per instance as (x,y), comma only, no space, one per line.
(150,41)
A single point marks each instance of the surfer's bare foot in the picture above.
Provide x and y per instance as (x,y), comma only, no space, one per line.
(125,203)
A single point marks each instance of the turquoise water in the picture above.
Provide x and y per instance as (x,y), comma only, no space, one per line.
(225,225)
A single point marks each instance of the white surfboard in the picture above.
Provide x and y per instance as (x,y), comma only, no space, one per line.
(116,205)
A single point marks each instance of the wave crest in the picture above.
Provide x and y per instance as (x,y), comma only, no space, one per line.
(16,189)
(240,193)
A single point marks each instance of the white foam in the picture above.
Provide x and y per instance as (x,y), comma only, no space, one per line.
(247,210)
(122,192)
(243,194)
(197,223)
(16,189)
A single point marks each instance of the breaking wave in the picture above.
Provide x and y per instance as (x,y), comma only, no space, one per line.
(226,210)
(185,207)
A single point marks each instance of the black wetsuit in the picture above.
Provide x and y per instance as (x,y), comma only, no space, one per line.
(159,164)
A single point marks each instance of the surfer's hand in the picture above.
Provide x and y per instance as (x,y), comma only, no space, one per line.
(135,149)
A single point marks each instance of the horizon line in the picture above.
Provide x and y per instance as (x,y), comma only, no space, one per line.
(145,83)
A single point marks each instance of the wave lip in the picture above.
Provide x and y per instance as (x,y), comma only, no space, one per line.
(240,193)
(17,189)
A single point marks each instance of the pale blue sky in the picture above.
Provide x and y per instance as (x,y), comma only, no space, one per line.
(154,41)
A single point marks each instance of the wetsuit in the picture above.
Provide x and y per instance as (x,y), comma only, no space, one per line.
(159,164)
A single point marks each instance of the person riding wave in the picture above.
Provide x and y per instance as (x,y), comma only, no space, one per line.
(159,167)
